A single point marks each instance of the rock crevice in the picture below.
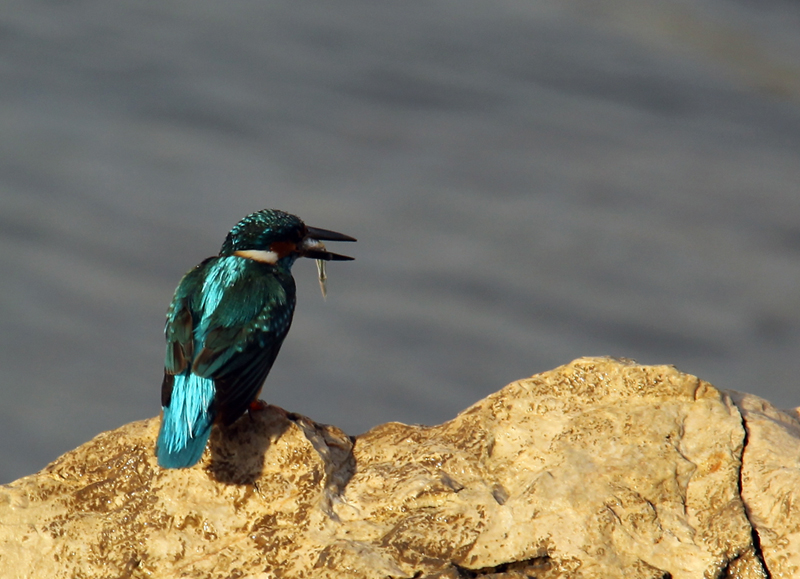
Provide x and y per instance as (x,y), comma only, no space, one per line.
(758,553)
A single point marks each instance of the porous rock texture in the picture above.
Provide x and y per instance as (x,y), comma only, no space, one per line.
(599,469)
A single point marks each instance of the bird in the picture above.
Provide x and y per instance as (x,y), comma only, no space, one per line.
(225,325)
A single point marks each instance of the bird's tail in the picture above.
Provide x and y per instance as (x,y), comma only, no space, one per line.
(186,422)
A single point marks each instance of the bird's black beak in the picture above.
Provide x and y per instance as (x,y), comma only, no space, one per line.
(315,250)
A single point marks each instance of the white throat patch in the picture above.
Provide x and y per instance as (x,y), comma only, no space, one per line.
(258,255)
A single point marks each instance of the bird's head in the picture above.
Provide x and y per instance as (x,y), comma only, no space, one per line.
(273,236)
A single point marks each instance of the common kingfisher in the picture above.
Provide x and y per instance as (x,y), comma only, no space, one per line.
(225,326)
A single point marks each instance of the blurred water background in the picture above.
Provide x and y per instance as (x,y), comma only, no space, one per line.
(530,182)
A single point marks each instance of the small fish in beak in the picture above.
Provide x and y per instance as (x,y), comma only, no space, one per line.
(315,249)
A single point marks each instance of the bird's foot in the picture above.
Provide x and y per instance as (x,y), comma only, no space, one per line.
(257,405)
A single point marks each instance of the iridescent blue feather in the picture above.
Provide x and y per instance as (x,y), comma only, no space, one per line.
(186,424)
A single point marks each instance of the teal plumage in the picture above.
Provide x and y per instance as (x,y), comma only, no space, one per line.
(225,326)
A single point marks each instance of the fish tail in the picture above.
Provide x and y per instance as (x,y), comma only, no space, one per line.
(186,422)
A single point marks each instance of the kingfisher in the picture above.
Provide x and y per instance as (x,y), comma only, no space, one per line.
(225,326)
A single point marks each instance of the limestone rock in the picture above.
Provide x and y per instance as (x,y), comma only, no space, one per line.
(599,469)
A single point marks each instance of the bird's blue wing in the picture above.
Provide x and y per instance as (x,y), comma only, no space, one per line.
(186,399)
(242,337)
(179,329)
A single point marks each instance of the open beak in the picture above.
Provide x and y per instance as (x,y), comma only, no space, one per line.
(313,248)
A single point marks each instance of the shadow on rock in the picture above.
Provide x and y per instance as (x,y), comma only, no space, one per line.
(237,452)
